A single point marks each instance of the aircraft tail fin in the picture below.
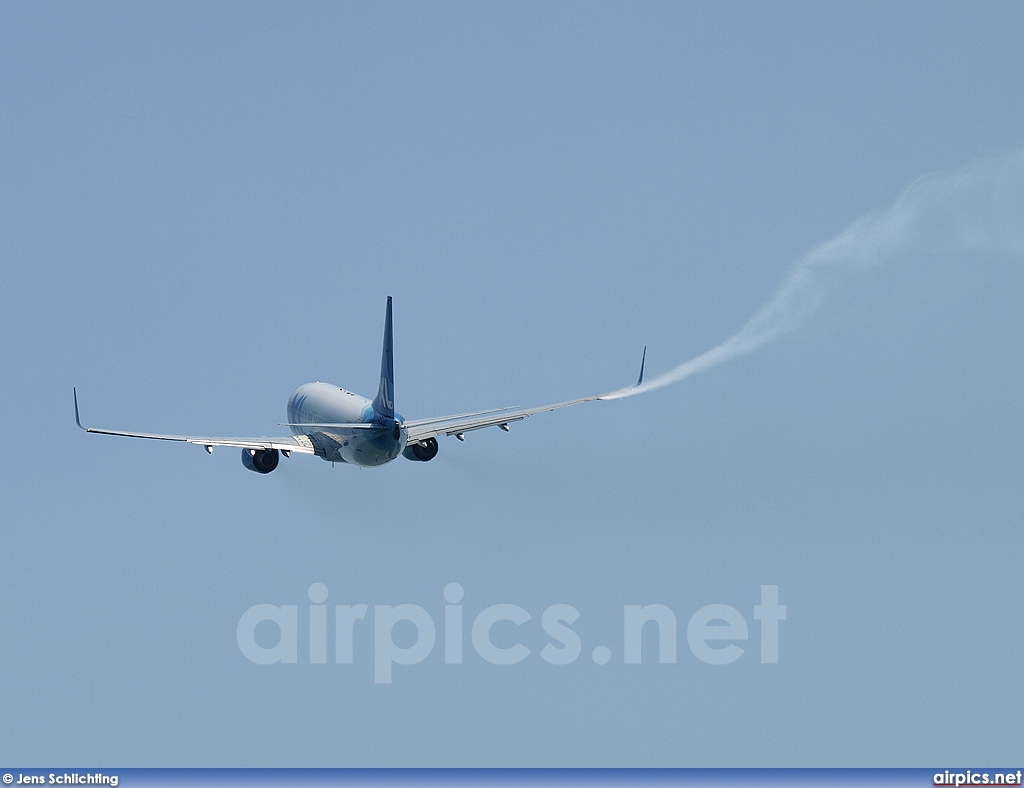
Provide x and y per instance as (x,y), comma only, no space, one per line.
(384,403)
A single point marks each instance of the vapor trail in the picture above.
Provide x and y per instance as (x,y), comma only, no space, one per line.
(978,207)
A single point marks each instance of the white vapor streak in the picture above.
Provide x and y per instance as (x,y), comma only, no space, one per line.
(979,207)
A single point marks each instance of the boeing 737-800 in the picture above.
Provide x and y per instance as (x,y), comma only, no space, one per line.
(340,426)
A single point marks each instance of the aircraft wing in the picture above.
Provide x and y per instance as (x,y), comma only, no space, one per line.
(423,429)
(299,444)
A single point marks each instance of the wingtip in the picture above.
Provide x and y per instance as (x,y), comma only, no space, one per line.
(78,420)
(643,362)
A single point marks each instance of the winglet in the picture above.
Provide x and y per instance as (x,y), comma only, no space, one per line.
(643,361)
(78,421)
(384,403)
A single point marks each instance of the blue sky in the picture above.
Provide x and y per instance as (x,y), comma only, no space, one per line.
(205,206)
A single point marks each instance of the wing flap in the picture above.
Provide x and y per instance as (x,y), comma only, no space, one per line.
(335,426)
(299,444)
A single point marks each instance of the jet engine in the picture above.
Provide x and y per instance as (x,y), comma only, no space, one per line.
(260,460)
(421,451)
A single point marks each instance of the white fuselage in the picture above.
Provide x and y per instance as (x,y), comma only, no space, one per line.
(322,403)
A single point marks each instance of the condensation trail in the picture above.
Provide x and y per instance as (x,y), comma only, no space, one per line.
(979,207)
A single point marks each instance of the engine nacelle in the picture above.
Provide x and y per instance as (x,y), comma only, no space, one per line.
(421,451)
(260,460)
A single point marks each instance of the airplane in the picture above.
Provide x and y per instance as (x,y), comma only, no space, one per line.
(340,426)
